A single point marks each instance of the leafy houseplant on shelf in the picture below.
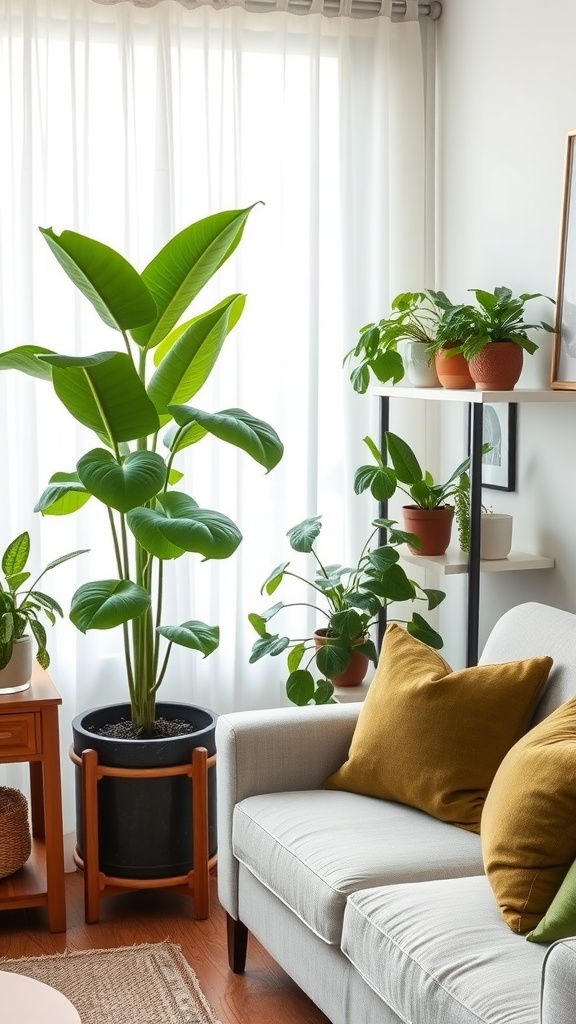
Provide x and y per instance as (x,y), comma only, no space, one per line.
(143,425)
(429,516)
(21,606)
(414,319)
(493,336)
(353,598)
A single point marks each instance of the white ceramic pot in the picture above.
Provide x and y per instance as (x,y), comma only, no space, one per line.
(419,366)
(17,674)
(495,535)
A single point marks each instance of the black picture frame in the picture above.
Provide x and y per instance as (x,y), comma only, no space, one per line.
(499,429)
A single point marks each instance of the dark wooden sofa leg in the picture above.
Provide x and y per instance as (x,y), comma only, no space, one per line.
(237,934)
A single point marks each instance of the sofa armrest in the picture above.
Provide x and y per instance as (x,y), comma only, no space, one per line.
(273,751)
(558,998)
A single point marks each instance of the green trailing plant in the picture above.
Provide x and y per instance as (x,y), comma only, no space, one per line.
(21,603)
(498,316)
(414,316)
(351,599)
(135,400)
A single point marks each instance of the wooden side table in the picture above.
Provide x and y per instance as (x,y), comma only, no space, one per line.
(29,732)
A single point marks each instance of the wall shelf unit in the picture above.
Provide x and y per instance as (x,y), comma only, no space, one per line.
(456,562)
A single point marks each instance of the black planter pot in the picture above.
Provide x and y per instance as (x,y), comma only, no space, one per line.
(145,825)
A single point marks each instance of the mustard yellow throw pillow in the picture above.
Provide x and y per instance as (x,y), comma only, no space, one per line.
(433,738)
(529,820)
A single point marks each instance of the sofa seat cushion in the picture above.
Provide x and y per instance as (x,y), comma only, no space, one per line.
(442,945)
(312,849)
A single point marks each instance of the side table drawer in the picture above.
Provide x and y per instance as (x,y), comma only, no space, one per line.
(18,735)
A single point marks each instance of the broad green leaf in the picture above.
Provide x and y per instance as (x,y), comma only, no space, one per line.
(25,359)
(64,494)
(303,535)
(348,624)
(16,555)
(369,649)
(237,427)
(360,379)
(367,602)
(104,604)
(334,657)
(135,480)
(16,580)
(423,631)
(380,480)
(406,465)
(109,281)
(177,438)
(382,558)
(176,524)
(324,692)
(273,581)
(259,624)
(193,634)
(272,645)
(189,362)
(300,687)
(181,269)
(434,597)
(105,393)
(393,585)
(294,659)
(388,366)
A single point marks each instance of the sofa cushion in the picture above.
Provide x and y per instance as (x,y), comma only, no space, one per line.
(529,820)
(312,849)
(441,945)
(559,921)
(434,738)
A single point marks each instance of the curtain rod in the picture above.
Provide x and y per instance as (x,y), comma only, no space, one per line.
(396,9)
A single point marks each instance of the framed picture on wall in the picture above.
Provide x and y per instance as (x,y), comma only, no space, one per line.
(499,426)
(564,350)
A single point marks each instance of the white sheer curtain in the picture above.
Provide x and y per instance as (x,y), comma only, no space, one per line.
(127,124)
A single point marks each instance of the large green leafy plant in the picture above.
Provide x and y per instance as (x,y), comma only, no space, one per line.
(498,316)
(135,401)
(22,604)
(352,598)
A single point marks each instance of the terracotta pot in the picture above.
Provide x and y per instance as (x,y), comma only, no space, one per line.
(497,367)
(452,371)
(17,674)
(357,668)
(433,526)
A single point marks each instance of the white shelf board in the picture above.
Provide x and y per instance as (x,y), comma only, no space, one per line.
(456,562)
(520,395)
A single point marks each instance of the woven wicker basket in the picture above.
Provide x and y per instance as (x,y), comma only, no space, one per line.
(15,842)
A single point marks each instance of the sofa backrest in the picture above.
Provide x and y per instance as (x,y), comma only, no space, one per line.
(532,629)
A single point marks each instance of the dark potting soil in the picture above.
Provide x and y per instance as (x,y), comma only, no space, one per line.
(124,730)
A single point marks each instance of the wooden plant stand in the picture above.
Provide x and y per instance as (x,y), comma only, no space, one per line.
(97,884)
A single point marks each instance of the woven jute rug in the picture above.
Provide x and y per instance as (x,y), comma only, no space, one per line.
(146,984)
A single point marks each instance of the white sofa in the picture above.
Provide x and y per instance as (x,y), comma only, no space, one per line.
(379,912)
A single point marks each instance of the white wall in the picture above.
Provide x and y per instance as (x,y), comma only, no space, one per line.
(506,99)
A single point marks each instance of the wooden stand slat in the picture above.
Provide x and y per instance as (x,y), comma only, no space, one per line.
(96,883)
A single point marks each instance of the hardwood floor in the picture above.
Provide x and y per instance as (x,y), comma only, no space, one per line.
(263,995)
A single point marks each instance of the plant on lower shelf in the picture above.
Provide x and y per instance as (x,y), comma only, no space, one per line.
(353,598)
(405,474)
(22,604)
(135,401)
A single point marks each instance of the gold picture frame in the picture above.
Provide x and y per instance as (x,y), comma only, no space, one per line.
(563,375)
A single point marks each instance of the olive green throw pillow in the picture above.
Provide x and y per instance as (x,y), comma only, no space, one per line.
(559,921)
(529,821)
(433,738)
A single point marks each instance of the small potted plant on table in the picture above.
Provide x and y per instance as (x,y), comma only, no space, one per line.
(21,606)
